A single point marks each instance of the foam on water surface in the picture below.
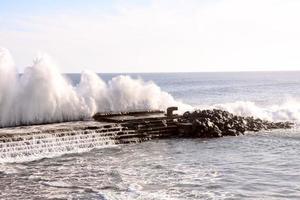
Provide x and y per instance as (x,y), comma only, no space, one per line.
(25,144)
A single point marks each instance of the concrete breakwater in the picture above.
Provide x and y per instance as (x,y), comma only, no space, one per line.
(199,123)
(33,142)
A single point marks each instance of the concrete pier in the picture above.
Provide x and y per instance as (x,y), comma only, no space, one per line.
(31,142)
(144,125)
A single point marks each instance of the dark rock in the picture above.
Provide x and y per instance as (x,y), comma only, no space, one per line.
(231,132)
(218,123)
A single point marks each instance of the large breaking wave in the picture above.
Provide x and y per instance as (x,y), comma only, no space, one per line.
(43,95)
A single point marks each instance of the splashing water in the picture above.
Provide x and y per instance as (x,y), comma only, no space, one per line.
(42,95)
(287,111)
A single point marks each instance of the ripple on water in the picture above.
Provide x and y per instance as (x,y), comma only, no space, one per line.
(252,166)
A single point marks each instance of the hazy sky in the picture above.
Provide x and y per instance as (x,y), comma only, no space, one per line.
(154,35)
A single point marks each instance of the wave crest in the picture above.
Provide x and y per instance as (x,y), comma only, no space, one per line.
(43,95)
(288,111)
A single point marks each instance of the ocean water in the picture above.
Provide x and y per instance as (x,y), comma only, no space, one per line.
(263,88)
(263,165)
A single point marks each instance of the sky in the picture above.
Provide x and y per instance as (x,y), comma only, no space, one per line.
(154,35)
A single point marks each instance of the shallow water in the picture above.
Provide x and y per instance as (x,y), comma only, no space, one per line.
(254,166)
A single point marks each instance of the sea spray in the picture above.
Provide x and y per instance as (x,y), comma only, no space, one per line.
(43,95)
(94,91)
(287,111)
(8,87)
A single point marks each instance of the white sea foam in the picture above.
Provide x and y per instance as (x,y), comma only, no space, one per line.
(288,111)
(42,94)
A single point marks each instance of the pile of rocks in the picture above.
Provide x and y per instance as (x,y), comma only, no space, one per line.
(218,123)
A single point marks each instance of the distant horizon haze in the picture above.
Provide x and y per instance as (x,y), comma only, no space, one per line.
(154,36)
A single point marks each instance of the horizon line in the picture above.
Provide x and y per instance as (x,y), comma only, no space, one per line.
(177,72)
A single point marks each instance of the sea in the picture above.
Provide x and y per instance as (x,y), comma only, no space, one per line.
(261,165)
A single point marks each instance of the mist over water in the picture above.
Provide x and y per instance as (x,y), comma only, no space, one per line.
(43,95)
